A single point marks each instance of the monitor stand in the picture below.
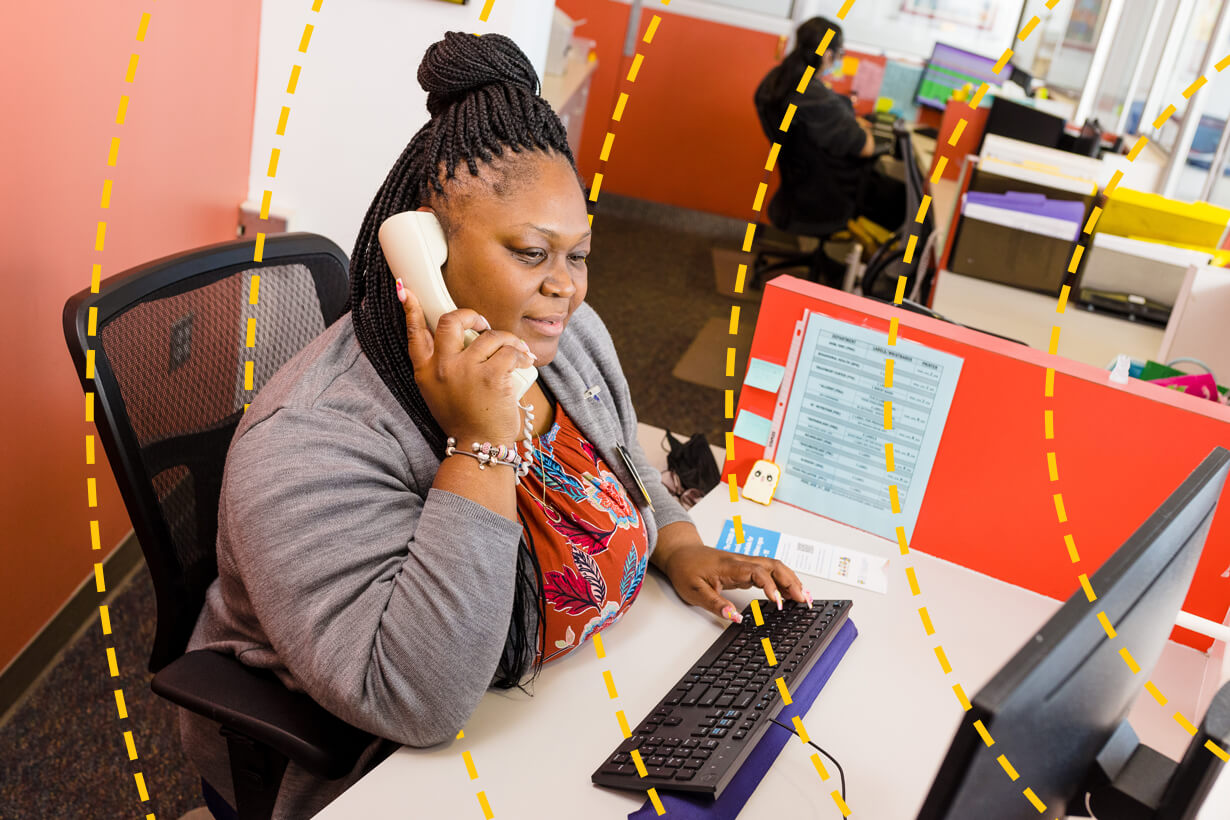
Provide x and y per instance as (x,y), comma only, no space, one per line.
(1132,781)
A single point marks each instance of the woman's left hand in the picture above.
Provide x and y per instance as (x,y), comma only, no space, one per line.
(699,573)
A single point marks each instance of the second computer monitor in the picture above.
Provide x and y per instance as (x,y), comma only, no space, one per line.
(1052,708)
(1023,122)
(949,69)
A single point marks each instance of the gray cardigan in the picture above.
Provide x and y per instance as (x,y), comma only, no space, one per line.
(342,570)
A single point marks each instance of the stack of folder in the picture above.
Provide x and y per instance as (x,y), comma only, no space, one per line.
(1142,250)
(1015,238)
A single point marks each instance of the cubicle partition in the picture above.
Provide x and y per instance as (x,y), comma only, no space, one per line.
(995,502)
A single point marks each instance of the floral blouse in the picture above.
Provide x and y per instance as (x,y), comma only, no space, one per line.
(587,534)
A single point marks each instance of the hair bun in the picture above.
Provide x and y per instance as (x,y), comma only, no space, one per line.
(462,63)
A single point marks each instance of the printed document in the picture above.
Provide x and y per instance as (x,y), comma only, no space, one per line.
(832,444)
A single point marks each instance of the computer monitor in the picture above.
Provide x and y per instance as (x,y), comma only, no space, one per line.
(950,68)
(1022,122)
(1052,709)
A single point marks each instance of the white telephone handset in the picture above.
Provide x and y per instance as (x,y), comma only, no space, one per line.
(415,248)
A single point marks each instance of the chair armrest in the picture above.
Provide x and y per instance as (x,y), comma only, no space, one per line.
(253,702)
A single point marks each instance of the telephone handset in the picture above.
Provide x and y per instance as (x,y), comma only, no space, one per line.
(414,245)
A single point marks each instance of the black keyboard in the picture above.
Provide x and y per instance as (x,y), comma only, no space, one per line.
(710,721)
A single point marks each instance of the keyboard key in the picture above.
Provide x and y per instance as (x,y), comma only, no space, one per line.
(670,741)
(725,723)
(654,741)
(709,744)
(673,720)
(701,732)
(656,760)
(660,772)
(685,774)
(724,700)
(708,722)
(747,724)
(622,757)
(674,762)
(711,696)
(744,700)
(693,764)
(701,754)
(683,752)
(691,744)
(718,733)
(694,694)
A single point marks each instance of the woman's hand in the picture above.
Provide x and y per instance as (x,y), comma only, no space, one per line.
(699,573)
(469,390)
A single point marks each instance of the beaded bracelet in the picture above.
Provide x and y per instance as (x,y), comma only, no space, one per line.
(487,453)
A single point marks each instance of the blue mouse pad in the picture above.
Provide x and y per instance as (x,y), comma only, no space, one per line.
(683,806)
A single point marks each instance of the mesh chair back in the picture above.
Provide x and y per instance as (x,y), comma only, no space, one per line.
(888,263)
(171,345)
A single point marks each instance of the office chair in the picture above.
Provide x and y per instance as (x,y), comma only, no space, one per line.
(169,345)
(818,264)
(888,262)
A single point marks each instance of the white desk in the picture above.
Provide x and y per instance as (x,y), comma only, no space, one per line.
(1092,338)
(888,712)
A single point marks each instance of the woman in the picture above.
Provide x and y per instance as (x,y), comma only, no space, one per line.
(362,558)
(827,175)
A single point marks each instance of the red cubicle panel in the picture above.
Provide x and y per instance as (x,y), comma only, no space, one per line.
(989,504)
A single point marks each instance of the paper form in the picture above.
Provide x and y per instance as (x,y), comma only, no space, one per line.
(867,81)
(831,447)
(845,566)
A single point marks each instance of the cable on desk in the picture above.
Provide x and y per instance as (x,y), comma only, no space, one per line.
(841,773)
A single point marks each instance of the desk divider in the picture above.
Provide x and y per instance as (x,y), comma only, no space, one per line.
(990,503)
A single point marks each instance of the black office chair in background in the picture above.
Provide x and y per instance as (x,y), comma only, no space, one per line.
(819,265)
(888,263)
(170,343)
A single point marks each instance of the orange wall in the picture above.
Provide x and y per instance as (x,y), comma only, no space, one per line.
(181,171)
(689,135)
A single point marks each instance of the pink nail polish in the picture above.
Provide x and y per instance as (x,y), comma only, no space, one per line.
(401,292)
(807,595)
(777,596)
(732,615)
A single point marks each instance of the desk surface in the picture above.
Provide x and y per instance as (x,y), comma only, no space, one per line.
(1091,338)
(888,713)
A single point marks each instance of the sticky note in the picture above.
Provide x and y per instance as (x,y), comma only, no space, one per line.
(764,375)
(849,66)
(884,103)
(752,427)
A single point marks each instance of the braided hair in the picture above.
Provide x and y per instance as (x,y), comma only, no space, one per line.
(482,94)
(807,39)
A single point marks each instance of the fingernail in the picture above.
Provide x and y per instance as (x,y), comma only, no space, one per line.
(401,292)
(807,595)
(730,614)
(486,324)
(777,596)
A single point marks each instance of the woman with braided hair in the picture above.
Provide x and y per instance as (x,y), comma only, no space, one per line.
(362,558)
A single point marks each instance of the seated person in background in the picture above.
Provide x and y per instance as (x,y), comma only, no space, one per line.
(828,176)
(358,559)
